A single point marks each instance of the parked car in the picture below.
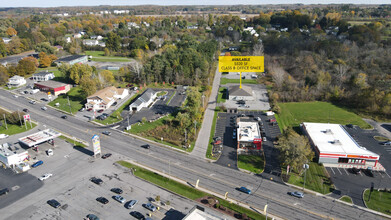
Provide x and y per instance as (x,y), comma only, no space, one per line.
(245,190)
(44,108)
(150,207)
(100,111)
(82,110)
(38,163)
(102,200)
(349,125)
(116,190)
(105,114)
(106,155)
(92,217)
(45,176)
(146,146)
(387,143)
(354,170)
(296,194)
(369,172)
(131,204)
(96,180)
(108,133)
(64,117)
(54,203)
(114,104)
(119,199)
(25,110)
(241,102)
(137,215)
(90,109)
(2,136)
(4,191)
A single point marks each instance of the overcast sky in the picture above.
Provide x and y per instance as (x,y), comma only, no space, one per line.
(56,3)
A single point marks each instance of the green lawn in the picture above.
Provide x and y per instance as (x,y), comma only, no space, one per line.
(76,100)
(380,201)
(137,129)
(168,101)
(222,96)
(15,129)
(99,56)
(346,199)
(294,113)
(212,133)
(184,190)
(244,81)
(76,143)
(252,163)
(316,179)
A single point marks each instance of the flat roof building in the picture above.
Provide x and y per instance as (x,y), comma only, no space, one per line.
(72,59)
(14,157)
(39,137)
(334,145)
(248,135)
(201,213)
(54,87)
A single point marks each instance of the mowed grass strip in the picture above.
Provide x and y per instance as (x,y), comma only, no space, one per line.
(212,133)
(380,201)
(346,199)
(252,163)
(294,113)
(76,143)
(15,129)
(76,100)
(316,179)
(137,129)
(184,190)
(237,81)
(100,56)
(222,97)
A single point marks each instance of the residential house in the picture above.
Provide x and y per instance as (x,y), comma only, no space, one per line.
(6,40)
(16,81)
(96,37)
(104,98)
(90,42)
(78,35)
(144,100)
(43,76)
(236,93)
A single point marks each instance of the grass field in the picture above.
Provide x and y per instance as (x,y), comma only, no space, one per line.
(222,96)
(244,81)
(15,129)
(380,201)
(137,129)
(76,143)
(346,199)
(252,163)
(316,179)
(183,190)
(212,133)
(76,100)
(294,113)
(99,56)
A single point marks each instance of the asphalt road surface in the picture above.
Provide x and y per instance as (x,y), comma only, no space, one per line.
(213,177)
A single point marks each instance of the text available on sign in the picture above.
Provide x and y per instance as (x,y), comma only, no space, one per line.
(241,64)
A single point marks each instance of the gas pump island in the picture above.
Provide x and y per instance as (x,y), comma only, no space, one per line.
(241,64)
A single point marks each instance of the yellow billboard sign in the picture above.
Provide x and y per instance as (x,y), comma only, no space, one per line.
(241,64)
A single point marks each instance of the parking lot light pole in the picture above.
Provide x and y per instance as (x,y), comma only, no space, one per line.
(305,166)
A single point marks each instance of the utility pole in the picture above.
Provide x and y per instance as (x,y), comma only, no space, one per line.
(70,109)
(185,136)
(195,128)
(169,169)
(5,120)
(19,118)
(305,166)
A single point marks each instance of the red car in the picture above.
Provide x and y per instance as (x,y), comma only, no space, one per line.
(90,109)
(100,111)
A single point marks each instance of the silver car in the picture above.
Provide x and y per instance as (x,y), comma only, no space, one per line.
(131,204)
(120,199)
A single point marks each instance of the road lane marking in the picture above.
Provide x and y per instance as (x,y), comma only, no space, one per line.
(332,170)
(388,175)
(339,171)
(346,172)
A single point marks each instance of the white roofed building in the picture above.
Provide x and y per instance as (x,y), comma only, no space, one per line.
(248,135)
(333,145)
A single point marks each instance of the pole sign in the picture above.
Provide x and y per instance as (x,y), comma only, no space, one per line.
(26,117)
(96,144)
(241,64)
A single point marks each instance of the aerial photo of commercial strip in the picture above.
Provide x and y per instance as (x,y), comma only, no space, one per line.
(195,112)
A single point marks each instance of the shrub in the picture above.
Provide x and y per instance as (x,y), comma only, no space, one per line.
(157,198)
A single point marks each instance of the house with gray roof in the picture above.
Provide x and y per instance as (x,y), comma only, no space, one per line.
(144,100)
(43,76)
(236,93)
(72,59)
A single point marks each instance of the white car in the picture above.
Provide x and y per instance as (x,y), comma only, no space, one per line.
(2,136)
(32,102)
(44,108)
(45,176)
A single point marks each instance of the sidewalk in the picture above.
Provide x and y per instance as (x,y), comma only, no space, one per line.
(202,142)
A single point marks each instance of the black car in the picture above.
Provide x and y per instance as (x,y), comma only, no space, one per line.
(108,133)
(96,180)
(146,146)
(241,102)
(25,110)
(368,172)
(354,170)
(137,215)
(102,200)
(92,217)
(116,190)
(349,125)
(64,117)
(45,100)
(54,203)
(4,191)
(106,155)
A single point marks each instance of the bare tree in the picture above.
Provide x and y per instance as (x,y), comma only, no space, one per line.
(258,49)
(278,74)
(341,69)
(136,68)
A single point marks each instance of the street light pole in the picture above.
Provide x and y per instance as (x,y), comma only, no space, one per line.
(305,166)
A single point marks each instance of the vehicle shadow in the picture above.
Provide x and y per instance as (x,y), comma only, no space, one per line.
(84,150)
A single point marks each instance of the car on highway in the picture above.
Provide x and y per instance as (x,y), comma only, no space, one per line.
(16,96)
(32,102)
(2,136)
(64,117)
(4,191)
(45,100)
(106,155)
(108,133)
(96,180)
(102,200)
(150,207)
(137,215)
(116,190)
(131,204)
(146,146)
(119,199)
(25,110)
(245,190)
(38,163)
(54,203)
(44,108)
(296,194)
(92,217)
(45,176)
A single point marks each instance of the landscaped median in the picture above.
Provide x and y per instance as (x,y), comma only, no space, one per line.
(380,200)
(252,163)
(73,141)
(209,153)
(346,199)
(187,191)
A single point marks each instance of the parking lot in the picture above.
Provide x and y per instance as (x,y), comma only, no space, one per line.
(260,102)
(71,186)
(224,129)
(353,185)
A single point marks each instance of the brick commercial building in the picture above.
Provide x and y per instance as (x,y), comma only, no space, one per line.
(54,87)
